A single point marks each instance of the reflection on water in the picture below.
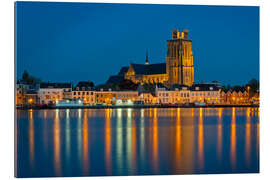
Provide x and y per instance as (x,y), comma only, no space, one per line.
(76,142)
(155,141)
(200,140)
(219,132)
(57,155)
(85,144)
(31,138)
(233,140)
(108,142)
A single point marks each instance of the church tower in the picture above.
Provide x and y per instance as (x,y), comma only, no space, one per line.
(146,57)
(179,59)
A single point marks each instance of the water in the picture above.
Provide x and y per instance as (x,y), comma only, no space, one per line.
(89,142)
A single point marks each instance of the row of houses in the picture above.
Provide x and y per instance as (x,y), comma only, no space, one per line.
(85,93)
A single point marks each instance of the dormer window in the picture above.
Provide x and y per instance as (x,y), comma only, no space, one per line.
(197,88)
(211,88)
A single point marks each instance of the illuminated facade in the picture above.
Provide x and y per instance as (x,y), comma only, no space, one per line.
(110,97)
(50,93)
(179,59)
(238,96)
(84,91)
(205,93)
(104,97)
(148,98)
(178,68)
(177,95)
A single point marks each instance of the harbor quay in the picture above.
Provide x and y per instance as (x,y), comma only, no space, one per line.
(62,95)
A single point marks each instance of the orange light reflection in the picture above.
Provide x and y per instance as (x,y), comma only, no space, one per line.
(85,144)
(57,160)
(155,141)
(108,142)
(200,140)
(233,139)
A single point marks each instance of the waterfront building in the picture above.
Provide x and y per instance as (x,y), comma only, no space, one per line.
(69,103)
(178,68)
(85,92)
(126,95)
(205,93)
(148,98)
(255,99)
(19,94)
(26,94)
(238,95)
(50,93)
(177,94)
(103,96)
(31,98)
(109,97)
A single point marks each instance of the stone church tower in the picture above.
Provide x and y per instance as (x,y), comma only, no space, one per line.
(179,59)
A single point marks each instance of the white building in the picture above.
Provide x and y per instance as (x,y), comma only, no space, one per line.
(50,93)
(84,92)
(175,95)
(205,93)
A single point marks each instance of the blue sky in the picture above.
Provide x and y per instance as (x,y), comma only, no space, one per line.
(87,41)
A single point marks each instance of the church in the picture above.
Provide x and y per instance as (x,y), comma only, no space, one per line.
(178,68)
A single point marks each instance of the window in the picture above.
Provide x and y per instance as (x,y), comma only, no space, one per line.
(74,93)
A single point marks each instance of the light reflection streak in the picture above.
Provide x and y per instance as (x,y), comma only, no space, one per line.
(79,135)
(31,138)
(248,138)
(57,153)
(129,138)
(67,136)
(142,137)
(200,141)
(119,141)
(155,141)
(233,140)
(108,142)
(134,145)
(85,144)
(219,131)
(45,131)
(178,138)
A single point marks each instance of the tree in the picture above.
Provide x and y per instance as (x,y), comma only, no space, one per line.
(91,84)
(253,86)
(25,76)
(28,79)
